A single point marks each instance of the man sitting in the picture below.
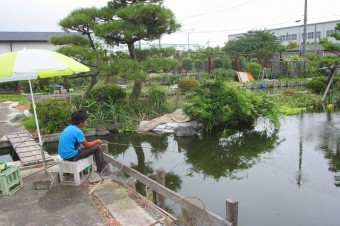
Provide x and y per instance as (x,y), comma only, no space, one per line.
(71,138)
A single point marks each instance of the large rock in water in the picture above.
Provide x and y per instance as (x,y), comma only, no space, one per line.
(104,132)
(184,131)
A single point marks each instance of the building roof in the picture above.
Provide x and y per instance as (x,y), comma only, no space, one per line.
(9,36)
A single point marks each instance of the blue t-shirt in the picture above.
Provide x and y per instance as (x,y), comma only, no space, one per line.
(69,141)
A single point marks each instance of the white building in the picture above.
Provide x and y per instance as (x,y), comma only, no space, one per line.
(314,32)
(14,41)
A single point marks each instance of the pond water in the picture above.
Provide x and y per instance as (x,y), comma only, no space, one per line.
(289,176)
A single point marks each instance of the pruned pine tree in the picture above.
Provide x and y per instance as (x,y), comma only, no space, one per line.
(82,47)
(330,46)
(331,62)
(133,21)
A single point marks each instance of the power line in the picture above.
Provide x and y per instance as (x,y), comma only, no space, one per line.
(217,11)
(245,28)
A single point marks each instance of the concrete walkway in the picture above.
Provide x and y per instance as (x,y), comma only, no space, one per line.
(70,205)
(7,113)
(63,205)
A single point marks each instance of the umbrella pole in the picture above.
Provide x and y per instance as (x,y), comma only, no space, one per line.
(37,124)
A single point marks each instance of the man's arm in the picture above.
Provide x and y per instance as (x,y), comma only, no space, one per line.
(89,144)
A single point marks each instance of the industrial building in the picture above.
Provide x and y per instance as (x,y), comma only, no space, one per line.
(314,31)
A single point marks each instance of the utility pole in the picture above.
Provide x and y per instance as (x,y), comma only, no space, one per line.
(304,38)
(208,42)
(315,38)
(304,31)
(189,38)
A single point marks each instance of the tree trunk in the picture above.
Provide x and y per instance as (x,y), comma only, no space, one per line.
(137,87)
(136,91)
(93,81)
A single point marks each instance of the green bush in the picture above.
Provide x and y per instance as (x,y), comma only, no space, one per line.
(254,69)
(8,85)
(157,99)
(53,115)
(104,93)
(29,123)
(187,84)
(316,85)
(288,92)
(226,74)
(224,104)
(157,96)
(169,79)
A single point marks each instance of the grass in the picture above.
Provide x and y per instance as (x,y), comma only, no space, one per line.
(22,99)
(29,123)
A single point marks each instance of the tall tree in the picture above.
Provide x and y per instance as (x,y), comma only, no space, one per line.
(82,47)
(129,23)
(331,62)
(254,43)
(331,46)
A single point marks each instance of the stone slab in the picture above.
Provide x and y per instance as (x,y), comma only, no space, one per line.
(125,210)
(128,213)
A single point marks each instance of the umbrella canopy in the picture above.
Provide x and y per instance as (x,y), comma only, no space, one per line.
(33,63)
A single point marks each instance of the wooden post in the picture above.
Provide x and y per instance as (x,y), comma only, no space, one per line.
(333,71)
(149,193)
(160,178)
(232,211)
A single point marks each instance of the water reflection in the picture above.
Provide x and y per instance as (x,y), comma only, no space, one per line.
(330,144)
(223,154)
(292,172)
(138,143)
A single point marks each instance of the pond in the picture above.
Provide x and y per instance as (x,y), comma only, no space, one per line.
(289,176)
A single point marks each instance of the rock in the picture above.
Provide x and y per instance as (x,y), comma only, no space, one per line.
(114,127)
(90,132)
(103,132)
(17,118)
(184,131)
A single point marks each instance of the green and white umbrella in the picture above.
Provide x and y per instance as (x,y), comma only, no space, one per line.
(30,64)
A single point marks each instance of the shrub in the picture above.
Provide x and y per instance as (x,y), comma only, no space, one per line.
(219,103)
(254,69)
(156,96)
(288,92)
(169,79)
(187,83)
(157,99)
(226,74)
(104,93)
(187,64)
(53,115)
(316,86)
(29,123)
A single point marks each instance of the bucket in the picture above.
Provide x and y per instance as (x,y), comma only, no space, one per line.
(105,146)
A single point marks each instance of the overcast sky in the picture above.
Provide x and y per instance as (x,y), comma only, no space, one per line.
(203,21)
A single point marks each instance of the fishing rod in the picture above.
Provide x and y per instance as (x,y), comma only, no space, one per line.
(128,145)
(134,146)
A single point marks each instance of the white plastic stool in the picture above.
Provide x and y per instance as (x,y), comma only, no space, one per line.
(80,169)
